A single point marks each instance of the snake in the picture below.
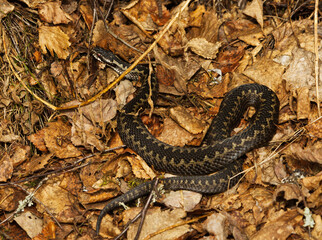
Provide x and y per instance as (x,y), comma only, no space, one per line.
(208,168)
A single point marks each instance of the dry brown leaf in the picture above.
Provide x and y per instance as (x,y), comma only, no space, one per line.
(182,69)
(47,82)
(203,48)
(8,198)
(236,28)
(5,8)
(182,199)
(86,198)
(313,182)
(288,192)
(8,138)
(55,40)
(20,154)
(280,228)
(303,103)
(140,168)
(267,72)
(181,116)
(37,139)
(174,135)
(315,129)
(146,14)
(48,232)
(315,200)
(37,163)
(71,183)
(164,76)
(59,202)
(197,16)
(88,177)
(84,134)
(51,12)
(108,228)
(173,41)
(301,71)
(122,91)
(229,59)
(264,173)
(311,153)
(216,224)
(156,220)
(6,167)
(57,139)
(106,184)
(84,131)
(255,10)
(317,230)
(30,223)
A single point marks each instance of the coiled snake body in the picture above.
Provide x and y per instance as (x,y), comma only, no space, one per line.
(220,152)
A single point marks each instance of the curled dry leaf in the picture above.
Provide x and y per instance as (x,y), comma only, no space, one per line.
(303,103)
(37,139)
(173,41)
(146,15)
(57,139)
(55,40)
(181,116)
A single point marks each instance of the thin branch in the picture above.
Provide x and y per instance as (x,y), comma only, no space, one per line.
(146,207)
(26,202)
(66,169)
(166,28)
(278,150)
(21,81)
(141,213)
(38,201)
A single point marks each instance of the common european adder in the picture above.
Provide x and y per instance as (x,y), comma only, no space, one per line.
(220,152)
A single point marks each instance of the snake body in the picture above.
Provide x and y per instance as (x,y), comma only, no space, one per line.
(220,152)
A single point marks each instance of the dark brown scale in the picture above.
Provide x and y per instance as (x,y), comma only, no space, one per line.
(220,153)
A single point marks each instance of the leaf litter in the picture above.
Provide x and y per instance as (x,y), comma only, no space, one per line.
(208,51)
